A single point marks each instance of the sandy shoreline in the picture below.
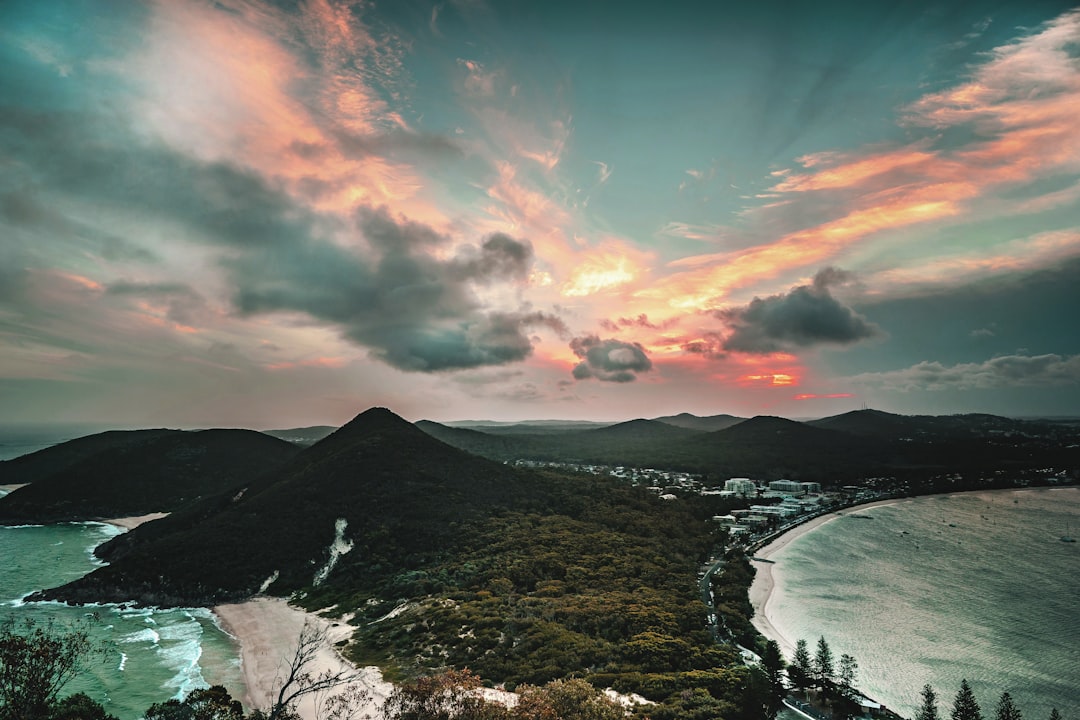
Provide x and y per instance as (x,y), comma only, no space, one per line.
(267,630)
(764,583)
(130,523)
(761,589)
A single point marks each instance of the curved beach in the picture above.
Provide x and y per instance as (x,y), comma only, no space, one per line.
(927,593)
(764,583)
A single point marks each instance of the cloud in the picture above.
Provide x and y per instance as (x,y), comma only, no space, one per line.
(808,315)
(413,310)
(710,345)
(181,303)
(1007,127)
(1000,372)
(641,321)
(609,360)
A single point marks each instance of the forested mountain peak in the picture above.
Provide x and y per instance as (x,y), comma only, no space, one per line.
(378,484)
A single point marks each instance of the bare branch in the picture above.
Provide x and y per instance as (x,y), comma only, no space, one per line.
(300,681)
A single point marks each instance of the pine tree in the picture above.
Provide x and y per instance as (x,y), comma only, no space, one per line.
(848,668)
(964,706)
(928,710)
(1006,710)
(1054,714)
(772,661)
(823,662)
(800,670)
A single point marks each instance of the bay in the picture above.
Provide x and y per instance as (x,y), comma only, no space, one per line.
(934,590)
(148,655)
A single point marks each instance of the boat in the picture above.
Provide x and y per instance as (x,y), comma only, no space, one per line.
(1067,537)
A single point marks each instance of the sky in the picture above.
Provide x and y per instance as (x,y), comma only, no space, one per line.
(259,214)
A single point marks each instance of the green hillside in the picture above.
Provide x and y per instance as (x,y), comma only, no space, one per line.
(159,473)
(36,465)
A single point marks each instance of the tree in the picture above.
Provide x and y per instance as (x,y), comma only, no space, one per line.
(964,706)
(1054,714)
(449,696)
(566,700)
(823,663)
(299,680)
(772,661)
(35,663)
(79,707)
(1006,710)
(848,669)
(801,669)
(928,710)
(212,703)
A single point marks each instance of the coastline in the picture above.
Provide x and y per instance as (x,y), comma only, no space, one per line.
(266,630)
(130,523)
(761,589)
(769,577)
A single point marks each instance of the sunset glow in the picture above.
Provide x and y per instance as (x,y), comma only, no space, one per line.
(517,211)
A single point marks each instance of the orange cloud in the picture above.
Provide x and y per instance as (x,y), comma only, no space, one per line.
(830,396)
(222,84)
(610,266)
(850,173)
(1023,105)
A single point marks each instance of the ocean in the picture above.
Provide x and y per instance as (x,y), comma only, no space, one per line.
(148,655)
(942,588)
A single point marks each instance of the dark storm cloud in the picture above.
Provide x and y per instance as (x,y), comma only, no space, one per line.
(806,316)
(372,276)
(413,310)
(609,360)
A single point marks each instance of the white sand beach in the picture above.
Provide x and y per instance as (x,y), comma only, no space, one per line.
(267,630)
(11,487)
(130,523)
(767,573)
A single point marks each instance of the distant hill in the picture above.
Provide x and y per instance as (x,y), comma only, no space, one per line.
(488,445)
(772,447)
(398,493)
(36,465)
(635,442)
(159,474)
(529,427)
(302,436)
(712,423)
(932,428)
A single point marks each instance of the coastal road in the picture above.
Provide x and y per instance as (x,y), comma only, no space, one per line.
(705,585)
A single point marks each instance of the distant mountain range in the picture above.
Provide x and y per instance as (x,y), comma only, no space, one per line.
(134,472)
(839,448)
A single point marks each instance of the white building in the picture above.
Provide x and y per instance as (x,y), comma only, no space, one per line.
(743,487)
(787,486)
(811,488)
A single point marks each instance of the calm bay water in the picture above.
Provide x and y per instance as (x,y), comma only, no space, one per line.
(941,588)
(149,655)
